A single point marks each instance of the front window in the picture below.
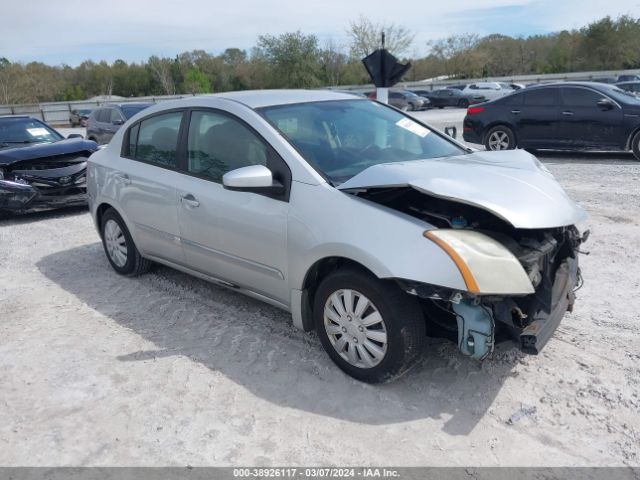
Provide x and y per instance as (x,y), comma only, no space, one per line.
(343,138)
(24,131)
(218,144)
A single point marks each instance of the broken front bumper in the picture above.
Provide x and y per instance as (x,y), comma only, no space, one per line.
(21,198)
(478,321)
(536,335)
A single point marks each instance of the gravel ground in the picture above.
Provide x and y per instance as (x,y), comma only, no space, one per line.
(165,369)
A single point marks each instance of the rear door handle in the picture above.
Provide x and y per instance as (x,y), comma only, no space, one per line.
(122,178)
(515,112)
(189,201)
(567,113)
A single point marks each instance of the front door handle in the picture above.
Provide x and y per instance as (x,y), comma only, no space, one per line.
(567,113)
(123,178)
(515,112)
(189,201)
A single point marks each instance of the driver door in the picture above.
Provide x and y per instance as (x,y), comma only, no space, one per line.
(238,237)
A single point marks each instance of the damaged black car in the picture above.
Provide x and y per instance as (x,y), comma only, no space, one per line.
(39,168)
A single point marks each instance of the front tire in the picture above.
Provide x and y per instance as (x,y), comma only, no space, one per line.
(371,329)
(118,245)
(464,103)
(499,138)
(635,145)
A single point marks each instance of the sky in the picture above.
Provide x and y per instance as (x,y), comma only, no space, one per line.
(71,31)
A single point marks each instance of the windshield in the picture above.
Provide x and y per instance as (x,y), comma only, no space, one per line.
(342,138)
(130,110)
(23,131)
(622,95)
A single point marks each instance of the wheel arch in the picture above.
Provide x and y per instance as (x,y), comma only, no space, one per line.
(302,300)
(102,208)
(633,133)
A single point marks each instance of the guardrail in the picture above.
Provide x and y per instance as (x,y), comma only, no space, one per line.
(57,113)
(524,79)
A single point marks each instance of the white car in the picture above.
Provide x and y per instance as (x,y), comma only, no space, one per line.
(364,223)
(489,90)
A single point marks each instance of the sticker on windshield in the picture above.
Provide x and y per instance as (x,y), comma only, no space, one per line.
(413,127)
(38,132)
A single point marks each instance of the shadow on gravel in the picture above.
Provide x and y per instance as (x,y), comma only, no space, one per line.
(7,219)
(256,346)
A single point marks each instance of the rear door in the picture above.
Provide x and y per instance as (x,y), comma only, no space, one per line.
(537,119)
(584,124)
(144,180)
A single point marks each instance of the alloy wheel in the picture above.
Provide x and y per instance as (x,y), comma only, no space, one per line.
(498,140)
(355,328)
(115,242)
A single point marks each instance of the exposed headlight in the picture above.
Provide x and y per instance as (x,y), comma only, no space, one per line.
(486,265)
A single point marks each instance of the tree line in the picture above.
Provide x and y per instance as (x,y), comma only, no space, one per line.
(300,60)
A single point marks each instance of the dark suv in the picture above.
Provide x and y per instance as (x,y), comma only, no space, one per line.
(105,121)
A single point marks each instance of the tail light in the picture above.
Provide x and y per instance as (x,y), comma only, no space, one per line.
(474,110)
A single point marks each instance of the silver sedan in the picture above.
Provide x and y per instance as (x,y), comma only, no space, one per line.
(366,224)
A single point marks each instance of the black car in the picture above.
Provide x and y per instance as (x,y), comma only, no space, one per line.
(79,117)
(630,86)
(39,168)
(560,116)
(105,121)
(450,97)
(628,78)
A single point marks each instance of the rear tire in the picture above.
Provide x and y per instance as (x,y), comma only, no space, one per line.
(499,138)
(464,103)
(118,245)
(370,351)
(635,145)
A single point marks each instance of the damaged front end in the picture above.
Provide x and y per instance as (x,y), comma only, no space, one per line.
(41,184)
(520,281)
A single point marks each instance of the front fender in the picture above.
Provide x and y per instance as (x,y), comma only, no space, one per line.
(324,222)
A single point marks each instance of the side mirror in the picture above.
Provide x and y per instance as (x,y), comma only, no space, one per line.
(74,135)
(118,122)
(254,178)
(605,104)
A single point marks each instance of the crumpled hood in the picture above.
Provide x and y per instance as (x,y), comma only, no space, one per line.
(41,150)
(509,183)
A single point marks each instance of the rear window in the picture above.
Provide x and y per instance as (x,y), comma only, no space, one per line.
(155,140)
(130,110)
(541,97)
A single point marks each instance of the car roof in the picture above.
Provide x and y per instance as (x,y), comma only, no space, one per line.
(130,104)
(17,116)
(265,98)
(573,84)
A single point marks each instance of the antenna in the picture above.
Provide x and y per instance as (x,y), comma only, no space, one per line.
(382,40)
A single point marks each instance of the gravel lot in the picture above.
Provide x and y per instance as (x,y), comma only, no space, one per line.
(165,369)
